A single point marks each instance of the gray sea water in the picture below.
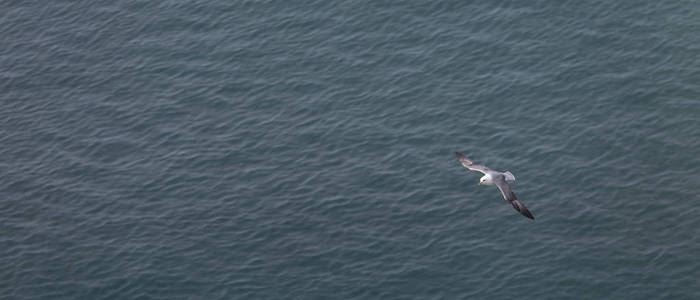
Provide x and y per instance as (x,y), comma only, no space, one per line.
(305,149)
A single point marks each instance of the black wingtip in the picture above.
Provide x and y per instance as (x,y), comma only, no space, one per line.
(522,209)
(463,158)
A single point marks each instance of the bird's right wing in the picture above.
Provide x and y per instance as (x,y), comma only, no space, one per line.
(470,165)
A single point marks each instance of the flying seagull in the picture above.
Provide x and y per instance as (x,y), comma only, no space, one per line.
(500,179)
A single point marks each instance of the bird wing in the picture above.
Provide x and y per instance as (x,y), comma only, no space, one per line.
(470,165)
(510,196)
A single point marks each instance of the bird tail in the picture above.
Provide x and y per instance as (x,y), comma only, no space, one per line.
(522,209)
(509,176)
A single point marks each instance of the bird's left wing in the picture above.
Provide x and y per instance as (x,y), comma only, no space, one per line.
(510,197)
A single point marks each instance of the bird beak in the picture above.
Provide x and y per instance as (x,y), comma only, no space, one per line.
(478,183)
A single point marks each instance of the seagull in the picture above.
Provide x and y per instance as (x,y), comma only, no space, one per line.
(500,179)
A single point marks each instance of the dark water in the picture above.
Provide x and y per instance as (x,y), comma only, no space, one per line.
(305,149)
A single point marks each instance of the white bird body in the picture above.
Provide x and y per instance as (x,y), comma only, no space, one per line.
(499,179)
(488,179)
